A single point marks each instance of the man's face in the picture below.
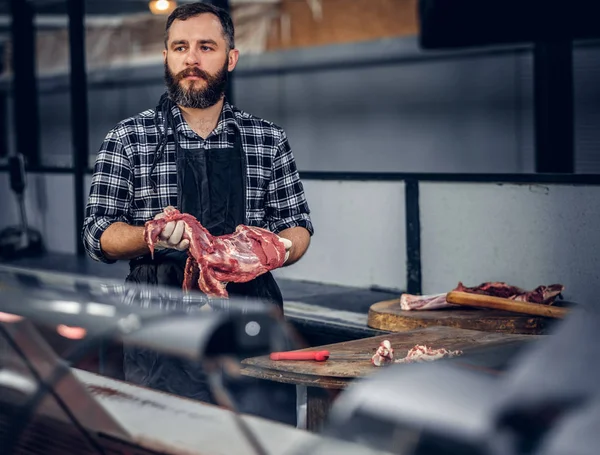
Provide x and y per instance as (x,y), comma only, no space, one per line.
(197,61)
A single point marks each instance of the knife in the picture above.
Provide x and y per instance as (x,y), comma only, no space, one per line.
(318,356)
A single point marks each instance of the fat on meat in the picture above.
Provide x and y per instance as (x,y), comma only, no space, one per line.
(384,354)
(422,353)
(419,353)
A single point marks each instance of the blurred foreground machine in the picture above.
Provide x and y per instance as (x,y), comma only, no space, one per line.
(546,403)
(48,407)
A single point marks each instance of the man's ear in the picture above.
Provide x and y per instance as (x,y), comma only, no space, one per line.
(233,57)
(165,55)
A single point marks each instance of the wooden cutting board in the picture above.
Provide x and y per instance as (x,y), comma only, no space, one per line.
(387,315)
(337,373)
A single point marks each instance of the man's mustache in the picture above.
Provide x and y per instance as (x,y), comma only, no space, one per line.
(192,71)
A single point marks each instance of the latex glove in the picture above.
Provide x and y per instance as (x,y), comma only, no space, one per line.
(288,244)
(172,235)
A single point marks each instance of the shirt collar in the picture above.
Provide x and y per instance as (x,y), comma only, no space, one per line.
(226,119)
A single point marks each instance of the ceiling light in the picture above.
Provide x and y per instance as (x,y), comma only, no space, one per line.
(162,6)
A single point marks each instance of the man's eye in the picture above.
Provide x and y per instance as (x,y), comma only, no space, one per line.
(206,48)
(180,48)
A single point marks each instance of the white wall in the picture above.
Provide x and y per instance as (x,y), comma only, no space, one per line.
(526,235)
(360,235)
(462,115)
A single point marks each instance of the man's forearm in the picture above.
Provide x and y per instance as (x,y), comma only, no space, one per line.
(300,238)
(122,241)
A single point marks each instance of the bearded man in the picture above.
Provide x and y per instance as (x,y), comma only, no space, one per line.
(198,153)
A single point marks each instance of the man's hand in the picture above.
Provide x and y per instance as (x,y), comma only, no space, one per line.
(172,235)
(287,244)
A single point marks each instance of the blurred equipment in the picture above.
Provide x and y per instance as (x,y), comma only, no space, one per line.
(39,394)
(19,241)
(546,403)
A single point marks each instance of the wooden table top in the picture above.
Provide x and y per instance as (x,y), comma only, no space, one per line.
(338,374)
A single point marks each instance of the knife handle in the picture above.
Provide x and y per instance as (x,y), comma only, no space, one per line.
(319,356)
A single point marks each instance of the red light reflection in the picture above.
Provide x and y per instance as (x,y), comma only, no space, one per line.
(73,333)
(8,317)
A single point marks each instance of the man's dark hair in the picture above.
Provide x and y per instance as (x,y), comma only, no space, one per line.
(188,10)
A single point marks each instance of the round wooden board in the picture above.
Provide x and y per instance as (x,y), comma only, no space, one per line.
(388,315)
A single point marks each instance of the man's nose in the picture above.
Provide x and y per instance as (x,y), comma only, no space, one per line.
(193,57)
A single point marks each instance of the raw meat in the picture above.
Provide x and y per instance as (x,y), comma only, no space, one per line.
(422,353)
(384,354)
(542,295)
(213,261)
(423,302)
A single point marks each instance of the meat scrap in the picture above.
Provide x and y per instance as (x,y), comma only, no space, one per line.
(422,353)
(384,354)
(214,261)
(545,295)
(419,353)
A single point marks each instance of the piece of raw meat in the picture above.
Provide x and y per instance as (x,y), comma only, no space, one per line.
(214,261)
(423,302)
(422,353)
(384,354)
(542,295)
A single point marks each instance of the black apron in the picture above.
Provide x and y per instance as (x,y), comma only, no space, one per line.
(212,187)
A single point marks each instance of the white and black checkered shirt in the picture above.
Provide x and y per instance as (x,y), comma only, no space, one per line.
(121,189)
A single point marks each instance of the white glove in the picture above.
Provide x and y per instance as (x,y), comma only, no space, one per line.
(287,244)
(172,235)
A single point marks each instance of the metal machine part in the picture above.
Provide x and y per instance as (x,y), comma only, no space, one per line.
(163,320)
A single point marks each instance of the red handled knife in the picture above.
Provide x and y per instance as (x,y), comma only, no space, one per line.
(318,356)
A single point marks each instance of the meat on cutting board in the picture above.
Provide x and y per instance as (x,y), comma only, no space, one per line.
(419,353)
(542,295)
(384,354)
(213,261)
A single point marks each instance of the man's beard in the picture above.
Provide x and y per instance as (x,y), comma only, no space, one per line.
(192,96)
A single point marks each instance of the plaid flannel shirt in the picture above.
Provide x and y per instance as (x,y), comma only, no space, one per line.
(121,189)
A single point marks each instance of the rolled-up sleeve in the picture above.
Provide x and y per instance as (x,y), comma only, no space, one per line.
(286,204)
(110,194)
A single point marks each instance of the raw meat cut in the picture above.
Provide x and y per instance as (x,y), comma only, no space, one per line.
(384,354)
(541,295)
(424,302)
(422,353)
(419,353)
(213,261)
